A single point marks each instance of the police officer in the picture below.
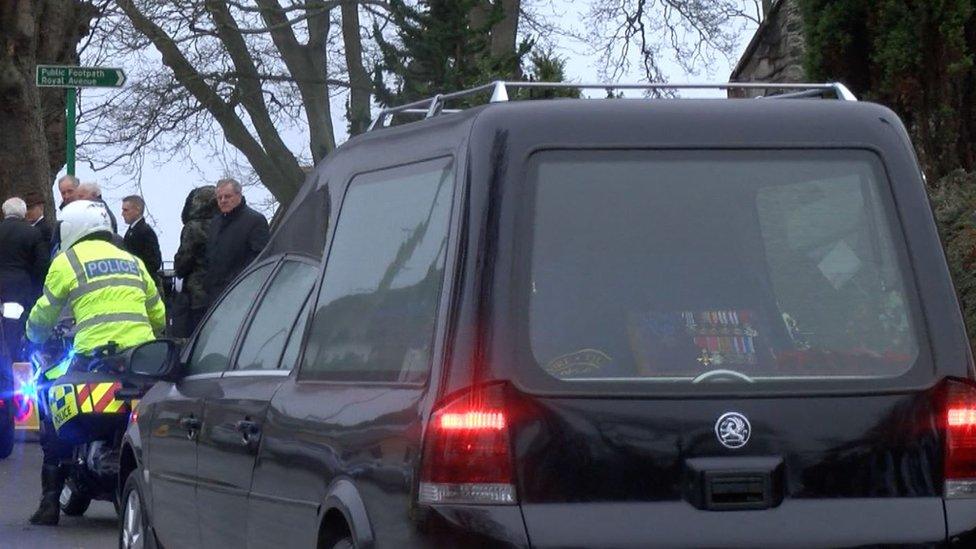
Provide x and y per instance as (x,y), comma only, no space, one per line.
(112,298)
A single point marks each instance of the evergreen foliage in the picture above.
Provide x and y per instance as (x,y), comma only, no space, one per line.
(443,47)
(915,57)
(954,202)
(546,66)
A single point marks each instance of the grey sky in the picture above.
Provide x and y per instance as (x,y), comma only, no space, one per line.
(166,181)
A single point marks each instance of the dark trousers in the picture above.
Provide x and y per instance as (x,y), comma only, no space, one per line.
(53,471)
(13,331)
(55,450)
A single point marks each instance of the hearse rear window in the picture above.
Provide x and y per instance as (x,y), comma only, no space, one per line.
(686,266)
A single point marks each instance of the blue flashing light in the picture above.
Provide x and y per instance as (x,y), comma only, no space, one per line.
(30,390)
(68,357)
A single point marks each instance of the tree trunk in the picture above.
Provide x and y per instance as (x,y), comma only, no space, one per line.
(307,63)
(360,85)
(505,31)
(32,120)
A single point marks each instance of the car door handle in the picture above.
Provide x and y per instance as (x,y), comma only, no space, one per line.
(249,430)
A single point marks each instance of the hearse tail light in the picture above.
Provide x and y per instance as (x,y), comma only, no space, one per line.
(468,453)
(960,439)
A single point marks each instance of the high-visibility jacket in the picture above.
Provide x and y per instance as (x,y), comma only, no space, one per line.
(111,295)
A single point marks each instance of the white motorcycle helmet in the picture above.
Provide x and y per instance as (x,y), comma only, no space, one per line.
(82,218)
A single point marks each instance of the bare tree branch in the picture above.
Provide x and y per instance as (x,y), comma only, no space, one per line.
(233,127)
(690,32)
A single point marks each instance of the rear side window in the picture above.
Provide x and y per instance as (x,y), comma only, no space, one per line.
(211,352)
(375,314)
(293,347)
(270,325)
(691,266)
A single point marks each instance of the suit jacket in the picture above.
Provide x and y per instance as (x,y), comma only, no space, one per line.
(234,240)
(46,231)
(23,261)
(141,241)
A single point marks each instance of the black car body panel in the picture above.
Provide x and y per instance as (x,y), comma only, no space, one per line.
(640,450)
(802,523)
(170,455)
(827,464)
(226,454)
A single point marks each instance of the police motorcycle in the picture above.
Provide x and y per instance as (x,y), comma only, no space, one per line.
(89,406)
(8,397)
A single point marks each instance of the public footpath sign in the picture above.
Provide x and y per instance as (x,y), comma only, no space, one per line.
(53,76)
(72,78)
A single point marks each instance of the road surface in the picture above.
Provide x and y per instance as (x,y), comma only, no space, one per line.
(20,490)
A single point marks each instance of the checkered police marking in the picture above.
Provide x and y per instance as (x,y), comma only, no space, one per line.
(105,267)
(63,404)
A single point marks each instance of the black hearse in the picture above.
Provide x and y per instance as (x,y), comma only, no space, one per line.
(587,323)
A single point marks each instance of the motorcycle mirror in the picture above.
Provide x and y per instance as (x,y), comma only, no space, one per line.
(13,311)
(154,359)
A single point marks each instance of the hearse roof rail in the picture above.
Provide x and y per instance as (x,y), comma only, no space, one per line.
(433,106)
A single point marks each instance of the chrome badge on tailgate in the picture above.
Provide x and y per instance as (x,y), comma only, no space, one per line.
(733,430)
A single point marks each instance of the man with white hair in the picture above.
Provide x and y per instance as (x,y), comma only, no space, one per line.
(67,186)
(23,263)
(72,189)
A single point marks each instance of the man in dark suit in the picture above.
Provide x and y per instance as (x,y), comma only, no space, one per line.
(23,264)
(35,215)
(140,239)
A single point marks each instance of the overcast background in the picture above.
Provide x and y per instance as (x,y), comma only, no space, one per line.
(165,182)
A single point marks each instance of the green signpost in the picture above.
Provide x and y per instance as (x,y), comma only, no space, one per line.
(72,78)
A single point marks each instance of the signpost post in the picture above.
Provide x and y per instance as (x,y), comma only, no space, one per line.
(72,78)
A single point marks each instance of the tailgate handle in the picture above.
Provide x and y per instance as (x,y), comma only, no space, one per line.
(734,483)
(737,491)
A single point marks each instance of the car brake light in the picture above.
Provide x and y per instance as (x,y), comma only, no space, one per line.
(960,439)
(468,454)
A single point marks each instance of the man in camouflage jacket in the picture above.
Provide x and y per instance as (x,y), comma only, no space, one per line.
(191,258)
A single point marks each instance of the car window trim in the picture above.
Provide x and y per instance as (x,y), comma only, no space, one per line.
(458,185)
(316,265)
(257,373)
(249,319)
(232,353)
(297,325)
(209,375)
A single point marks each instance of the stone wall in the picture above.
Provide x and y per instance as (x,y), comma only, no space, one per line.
(776,51)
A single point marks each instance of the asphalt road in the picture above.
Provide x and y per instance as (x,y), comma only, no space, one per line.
(20,490)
